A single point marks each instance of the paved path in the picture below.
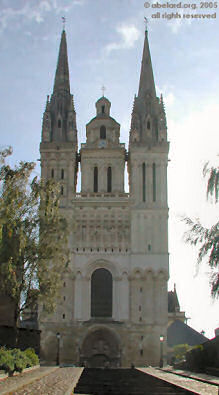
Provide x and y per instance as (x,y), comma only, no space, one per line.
(61,381)
(188,383)
(43,381)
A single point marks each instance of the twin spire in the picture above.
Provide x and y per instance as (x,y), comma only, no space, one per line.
(148,116)
(146,84)
(62,71)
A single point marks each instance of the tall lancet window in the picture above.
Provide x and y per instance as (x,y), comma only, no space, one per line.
(62,174)
(103,132)
(95,179)
(144,182)
(101,293)
(154,182)
(109,179)
(52,173)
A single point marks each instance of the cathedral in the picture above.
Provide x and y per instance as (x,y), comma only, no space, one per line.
(113,306)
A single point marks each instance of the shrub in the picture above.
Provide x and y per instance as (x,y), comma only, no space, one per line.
(17,360)
(31,357)
(180,351)
(20,359)
(6,361)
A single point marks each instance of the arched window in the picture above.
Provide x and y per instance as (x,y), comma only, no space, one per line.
(95,179)
(103,132)
(62,190)
(62,174)
(154,182)
(103,109)
(109,179)
(59,123)
(101,293)
(148,125)
(143,182)
(52,173)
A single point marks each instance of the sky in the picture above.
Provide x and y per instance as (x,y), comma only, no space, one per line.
(105,43)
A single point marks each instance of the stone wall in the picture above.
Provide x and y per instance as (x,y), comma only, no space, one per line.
(26,338)
(7,308)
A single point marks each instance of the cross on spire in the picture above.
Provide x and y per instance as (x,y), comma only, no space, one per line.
(146,23)
(63,22)
(103,89)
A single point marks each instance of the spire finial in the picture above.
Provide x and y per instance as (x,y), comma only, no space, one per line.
(146,23)
(63,22)
(103,90)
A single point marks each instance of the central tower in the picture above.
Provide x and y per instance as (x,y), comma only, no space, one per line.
(113,304)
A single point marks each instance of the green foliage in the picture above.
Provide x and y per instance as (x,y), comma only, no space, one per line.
(20,359)
(213,181)
(6,361)
(198,347)
(207,239)
(17,360)
(180,351)
(33,237)
(32,357)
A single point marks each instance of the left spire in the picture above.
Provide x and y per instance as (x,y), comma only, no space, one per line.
(62,71)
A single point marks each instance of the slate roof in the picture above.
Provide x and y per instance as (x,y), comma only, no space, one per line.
(180,333)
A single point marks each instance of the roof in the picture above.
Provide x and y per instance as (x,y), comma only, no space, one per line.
(180,333)
(173,302)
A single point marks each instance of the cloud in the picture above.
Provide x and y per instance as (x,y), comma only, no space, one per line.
(194,140)
(175,25)
(35,11)
(129,34)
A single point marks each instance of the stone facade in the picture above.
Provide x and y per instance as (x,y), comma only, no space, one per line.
(113,305)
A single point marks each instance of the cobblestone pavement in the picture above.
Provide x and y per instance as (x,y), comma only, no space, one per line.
(190,384)
(61,381)
(11,383)
(44,381)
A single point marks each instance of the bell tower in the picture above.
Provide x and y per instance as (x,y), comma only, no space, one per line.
(148,159)
(102,156)
(58,146)
(147,166)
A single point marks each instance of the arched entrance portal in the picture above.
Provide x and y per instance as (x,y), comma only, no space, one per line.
(100,349)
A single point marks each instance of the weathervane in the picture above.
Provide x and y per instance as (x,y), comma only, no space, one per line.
(103,89)
(146,23)
(63,22)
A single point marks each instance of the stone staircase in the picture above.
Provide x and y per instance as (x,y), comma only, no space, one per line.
(123,382)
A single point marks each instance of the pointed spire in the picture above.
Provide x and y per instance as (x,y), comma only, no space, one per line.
(62,72)
(146,84)
(162,103)
(47,103)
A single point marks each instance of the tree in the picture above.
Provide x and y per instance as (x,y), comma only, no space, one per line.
(180,351)
(207,239)
(33,238)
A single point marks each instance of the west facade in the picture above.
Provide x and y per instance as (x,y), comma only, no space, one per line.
(114,301)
